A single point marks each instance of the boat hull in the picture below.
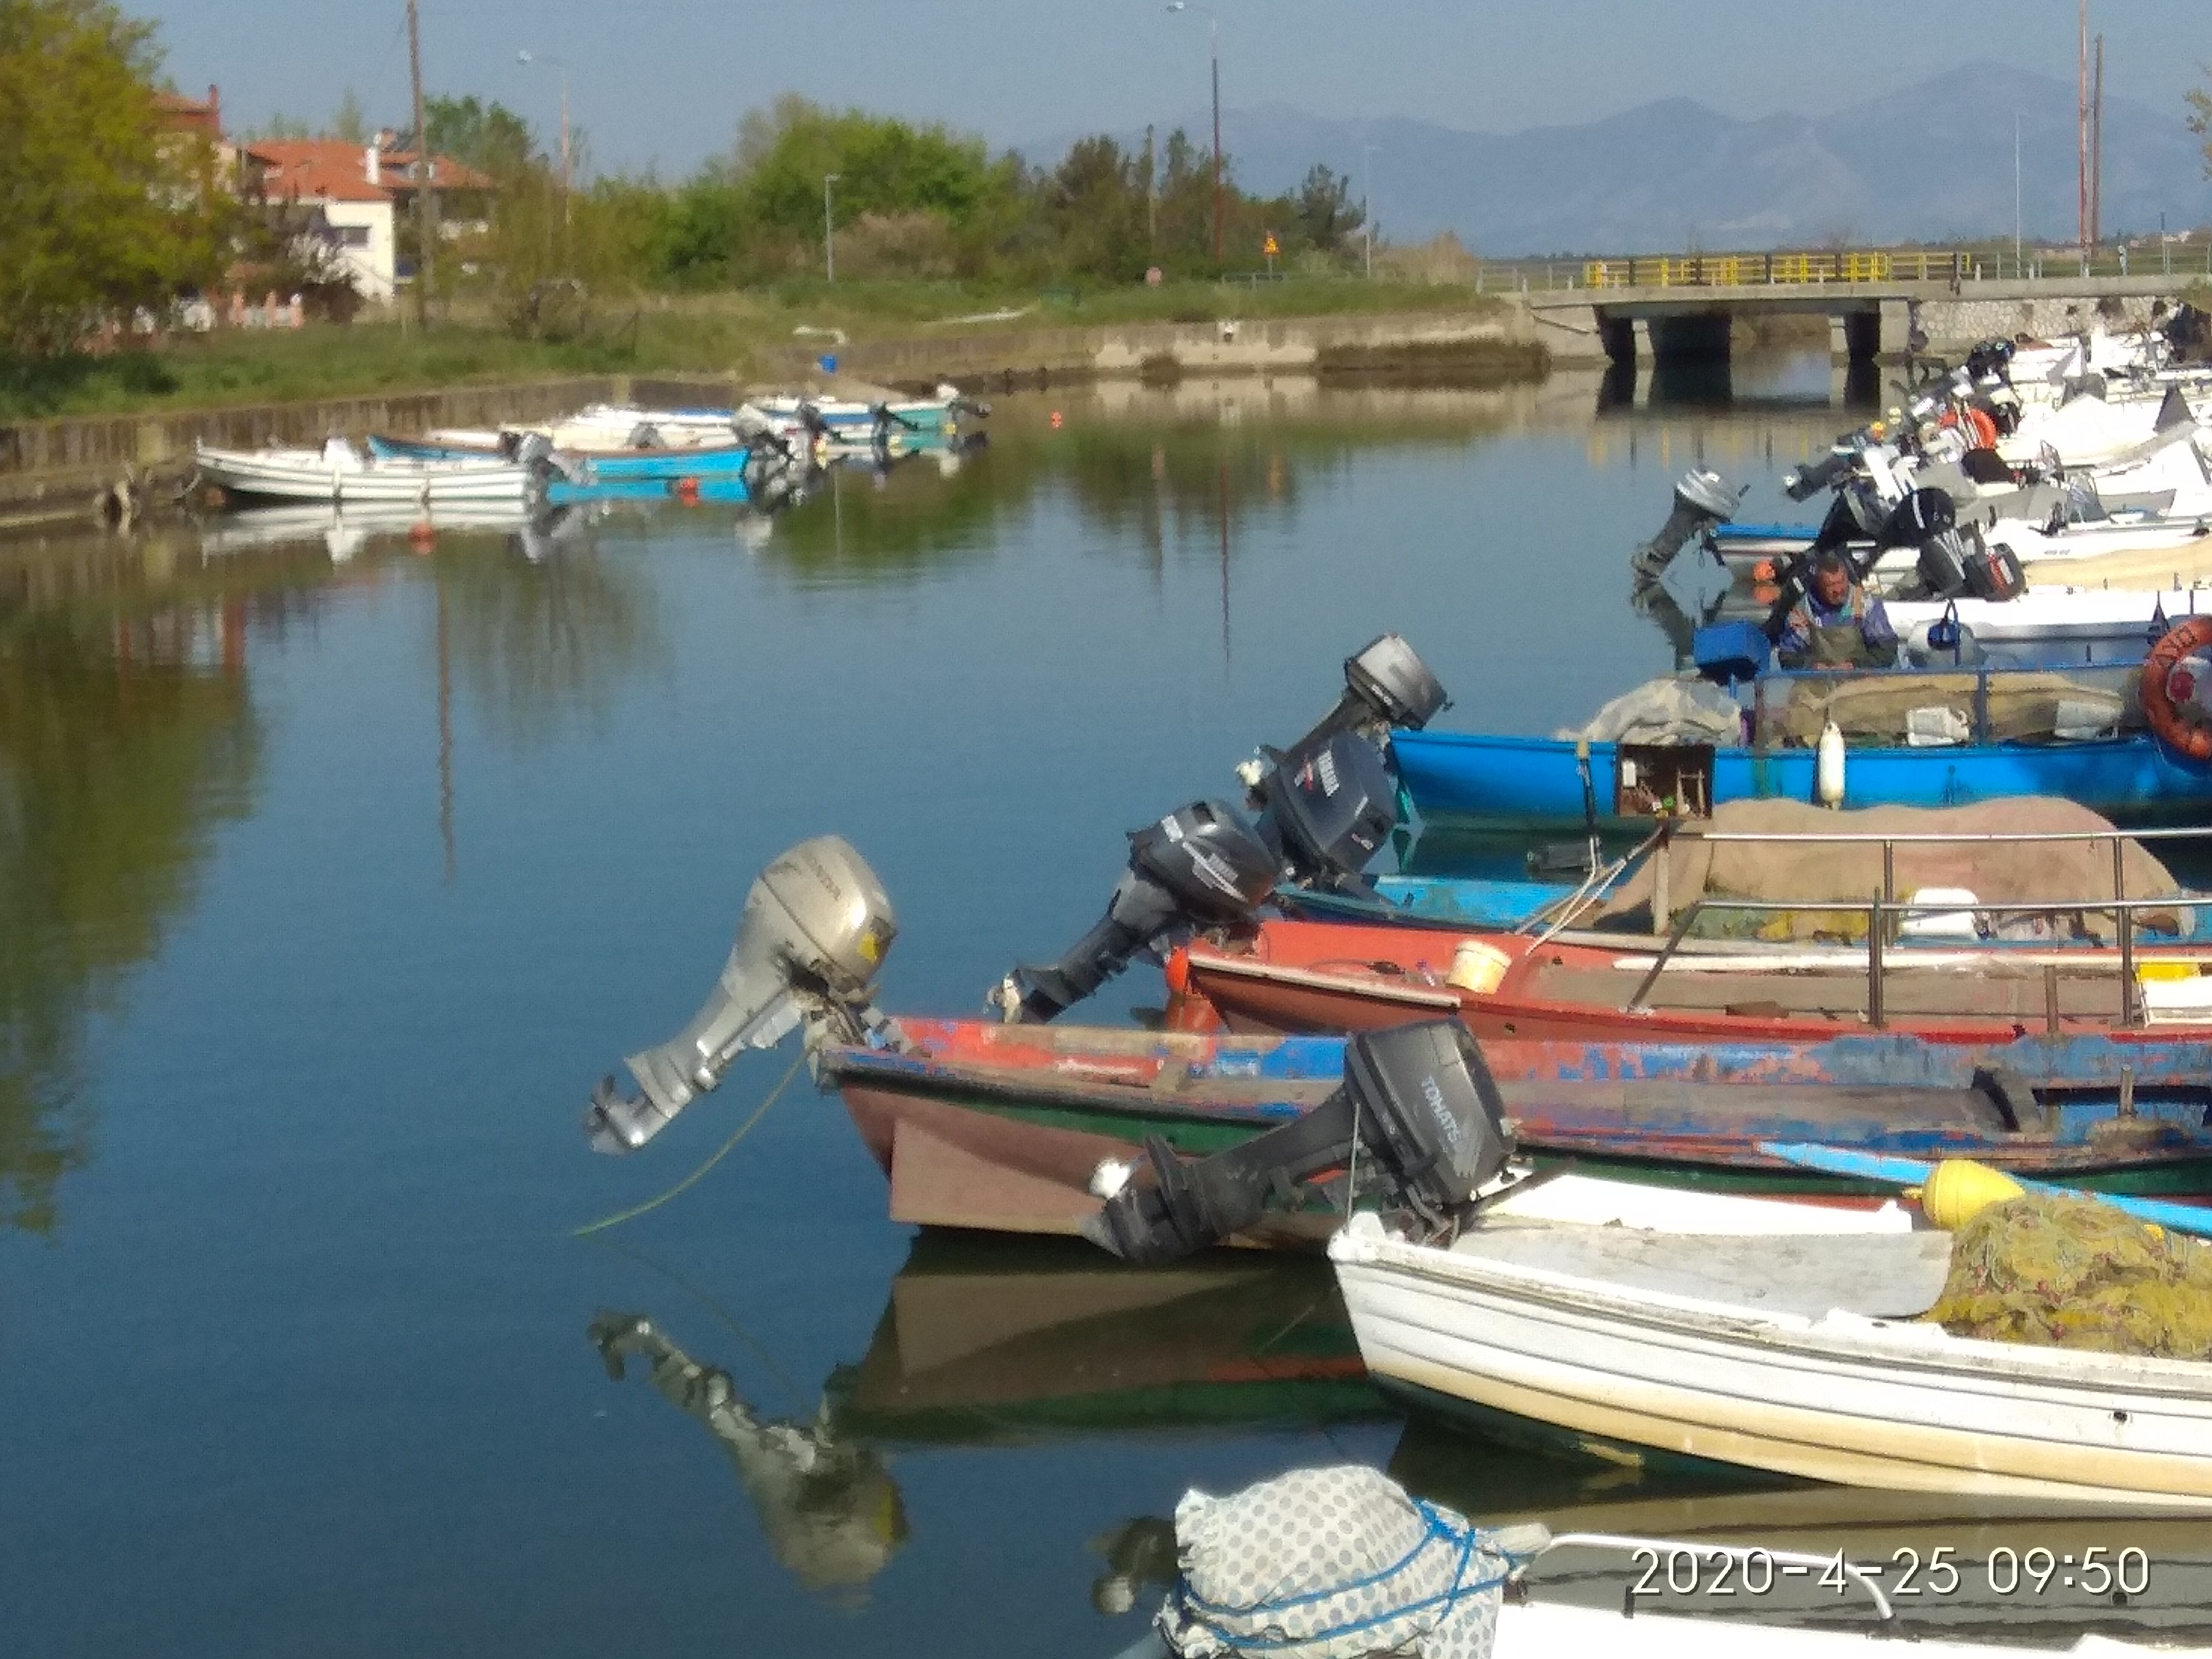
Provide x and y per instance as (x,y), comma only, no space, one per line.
(1477,778)
(998,1128)
(1852,1401)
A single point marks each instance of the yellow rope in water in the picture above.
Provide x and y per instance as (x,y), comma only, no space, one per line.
(742,1129)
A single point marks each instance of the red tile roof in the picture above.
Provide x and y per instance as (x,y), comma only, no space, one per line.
(333,170)
(177,113)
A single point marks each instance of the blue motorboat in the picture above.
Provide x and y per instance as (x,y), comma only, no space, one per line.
(1466,904)
(1910,739)
(711,489)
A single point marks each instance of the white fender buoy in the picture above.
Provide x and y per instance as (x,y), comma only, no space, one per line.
(1828,767)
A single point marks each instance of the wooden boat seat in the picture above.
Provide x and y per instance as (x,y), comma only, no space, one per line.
(2015,994)
(1879,1275)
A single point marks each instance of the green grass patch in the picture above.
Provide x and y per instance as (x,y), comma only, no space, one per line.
(697,334)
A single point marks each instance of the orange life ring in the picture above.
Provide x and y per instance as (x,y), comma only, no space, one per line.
(1981,429)
(2181,641)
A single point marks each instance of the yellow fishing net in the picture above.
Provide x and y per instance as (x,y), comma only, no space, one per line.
(2076,1273)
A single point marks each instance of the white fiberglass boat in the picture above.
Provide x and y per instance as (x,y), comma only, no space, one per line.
(336,472)
(1769,1335)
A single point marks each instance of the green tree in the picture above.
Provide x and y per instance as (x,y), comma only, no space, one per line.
(1324,210)
(99,211)
(490,138)
(349,123)
(2200,119)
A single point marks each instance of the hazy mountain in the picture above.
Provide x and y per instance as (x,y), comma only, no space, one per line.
(1934,160)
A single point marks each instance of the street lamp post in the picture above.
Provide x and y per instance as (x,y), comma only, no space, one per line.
(829,228)
(1214,22)
(1367,206)
(568,177)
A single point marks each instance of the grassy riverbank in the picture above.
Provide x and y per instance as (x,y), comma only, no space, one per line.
(716,334)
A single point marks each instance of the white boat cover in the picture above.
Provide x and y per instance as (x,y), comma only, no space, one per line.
(1669,711)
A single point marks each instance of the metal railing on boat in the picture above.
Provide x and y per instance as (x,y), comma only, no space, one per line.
(1882,908)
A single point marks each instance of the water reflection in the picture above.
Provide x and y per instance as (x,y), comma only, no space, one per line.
(122,746)
(999,1343)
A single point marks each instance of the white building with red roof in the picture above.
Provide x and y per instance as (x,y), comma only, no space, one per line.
(360,192)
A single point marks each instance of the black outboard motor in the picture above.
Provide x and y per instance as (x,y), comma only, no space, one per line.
(1200,867)
(1418,1120)
(1802,483)
(1324,806)
(1318,803)
(1702,500)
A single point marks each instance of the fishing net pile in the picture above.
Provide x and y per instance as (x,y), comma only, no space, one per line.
(1334,1564)
(1996,874)
(1884,710)
(2076,1273)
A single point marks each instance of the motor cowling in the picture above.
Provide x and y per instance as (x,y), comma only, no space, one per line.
(1702,499)
(1331,813)
(816,928)
(1201,866)
(1418,1120)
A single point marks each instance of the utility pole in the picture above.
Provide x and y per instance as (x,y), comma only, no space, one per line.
(828,228)
(1152,200)
(2097,150)
(2081,140)
(1216,138)
(2018,270)
(425,219)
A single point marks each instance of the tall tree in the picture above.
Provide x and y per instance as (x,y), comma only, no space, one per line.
(2200,118)
(490,138)
(100,212)
(349,123)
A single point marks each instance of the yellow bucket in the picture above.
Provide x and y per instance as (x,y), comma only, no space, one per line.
(1959,1189)
(1478,967)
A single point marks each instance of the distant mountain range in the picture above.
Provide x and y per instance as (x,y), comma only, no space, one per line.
(1933,162)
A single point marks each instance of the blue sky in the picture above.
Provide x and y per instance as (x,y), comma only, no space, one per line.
(664,81)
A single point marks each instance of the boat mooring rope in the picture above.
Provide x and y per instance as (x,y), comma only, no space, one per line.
(722,1151)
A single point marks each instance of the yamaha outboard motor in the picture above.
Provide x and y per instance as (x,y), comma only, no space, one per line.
(1418,1122)
(816,928)
(1325,804)
(1702,500)
(1202,867)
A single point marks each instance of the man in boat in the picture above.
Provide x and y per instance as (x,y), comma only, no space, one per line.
(1838,624)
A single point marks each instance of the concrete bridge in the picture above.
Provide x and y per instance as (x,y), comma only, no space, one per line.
(1870,317)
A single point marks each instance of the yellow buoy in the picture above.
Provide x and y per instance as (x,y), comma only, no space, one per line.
(1959,1189)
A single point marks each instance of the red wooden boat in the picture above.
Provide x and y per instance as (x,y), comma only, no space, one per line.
(1301,977)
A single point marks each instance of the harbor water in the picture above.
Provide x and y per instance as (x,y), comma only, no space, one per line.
(335,867)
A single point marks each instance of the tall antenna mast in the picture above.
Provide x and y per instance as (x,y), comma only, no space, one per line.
(2080,140)
(425,230)
(2097,149)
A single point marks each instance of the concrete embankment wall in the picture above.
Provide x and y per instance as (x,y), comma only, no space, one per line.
(51,471)
(1497,342)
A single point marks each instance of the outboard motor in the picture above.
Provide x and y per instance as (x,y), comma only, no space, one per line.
(816,928)
(1202,867)
(1418,1122)
(535,451)
(1324,804)
(1803,483)
(1702,500)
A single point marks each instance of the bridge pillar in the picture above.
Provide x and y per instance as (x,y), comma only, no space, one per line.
(1840,346)
(1863,336)
(1618,336)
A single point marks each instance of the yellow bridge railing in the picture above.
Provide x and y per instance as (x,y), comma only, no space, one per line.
(1765,269)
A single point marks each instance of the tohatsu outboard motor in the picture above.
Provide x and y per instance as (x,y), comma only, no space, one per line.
(1419,1122)
(816,928)
(1702,500)
(1324,806)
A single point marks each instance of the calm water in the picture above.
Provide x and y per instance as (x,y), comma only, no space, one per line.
(327,889)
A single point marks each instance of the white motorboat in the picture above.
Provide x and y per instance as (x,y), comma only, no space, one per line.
(1771,1336)
(336,472)
(2057,619)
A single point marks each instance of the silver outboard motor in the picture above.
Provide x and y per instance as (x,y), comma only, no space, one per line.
(816,926)
(1702,500)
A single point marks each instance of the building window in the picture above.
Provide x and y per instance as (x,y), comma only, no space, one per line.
(353,236)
